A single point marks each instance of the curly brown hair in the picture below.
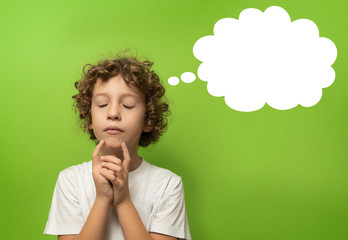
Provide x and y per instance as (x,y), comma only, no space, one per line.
(132,71)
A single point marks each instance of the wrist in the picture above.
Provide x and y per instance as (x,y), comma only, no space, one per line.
(102,200)
(125,203)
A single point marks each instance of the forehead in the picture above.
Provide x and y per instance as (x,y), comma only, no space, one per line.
(117,87)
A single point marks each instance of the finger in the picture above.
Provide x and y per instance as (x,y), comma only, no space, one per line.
(109,175)
(104,180)
(111,159)
(126,155)
(111,166)
(96,152)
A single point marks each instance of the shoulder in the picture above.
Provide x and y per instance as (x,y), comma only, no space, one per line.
(75,172)
(159,172)
(163,176)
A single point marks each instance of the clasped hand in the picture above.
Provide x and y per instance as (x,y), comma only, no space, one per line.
(110,175)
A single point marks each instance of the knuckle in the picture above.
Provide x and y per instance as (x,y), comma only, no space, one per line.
(118,161)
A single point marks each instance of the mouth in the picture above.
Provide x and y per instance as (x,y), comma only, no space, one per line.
(113,130)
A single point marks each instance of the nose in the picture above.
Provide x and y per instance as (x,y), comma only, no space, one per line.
(114,112)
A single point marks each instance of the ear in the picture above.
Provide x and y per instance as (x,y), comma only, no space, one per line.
(89,127)
(146,127)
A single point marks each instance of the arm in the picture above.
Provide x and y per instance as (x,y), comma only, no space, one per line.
(94,227)
(132,226)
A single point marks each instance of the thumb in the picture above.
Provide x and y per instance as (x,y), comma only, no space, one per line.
(95,155)
(126,156)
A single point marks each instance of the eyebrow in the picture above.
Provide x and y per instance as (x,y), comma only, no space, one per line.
(122,95)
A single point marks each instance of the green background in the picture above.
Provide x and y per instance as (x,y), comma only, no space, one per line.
(267,174)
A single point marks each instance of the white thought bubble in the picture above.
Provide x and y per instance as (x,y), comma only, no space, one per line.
(265,58)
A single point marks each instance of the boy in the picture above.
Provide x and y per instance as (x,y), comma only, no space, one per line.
(119,195)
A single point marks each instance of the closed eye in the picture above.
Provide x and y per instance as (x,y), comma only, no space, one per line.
(128,107)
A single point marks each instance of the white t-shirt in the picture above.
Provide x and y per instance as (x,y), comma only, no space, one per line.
(157,194)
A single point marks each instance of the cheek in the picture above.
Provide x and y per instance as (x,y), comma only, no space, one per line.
(92,113)
(136,120)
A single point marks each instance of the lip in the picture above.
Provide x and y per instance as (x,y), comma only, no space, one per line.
(113,130)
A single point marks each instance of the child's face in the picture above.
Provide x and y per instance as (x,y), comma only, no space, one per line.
(112,106)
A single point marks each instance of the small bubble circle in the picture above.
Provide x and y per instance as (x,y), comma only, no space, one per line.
(188,77)
(173,81)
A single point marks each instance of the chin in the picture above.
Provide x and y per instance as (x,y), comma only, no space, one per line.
(112,143)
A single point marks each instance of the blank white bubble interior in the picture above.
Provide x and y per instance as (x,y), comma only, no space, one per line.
(262,58)
(188,77)
(173,81)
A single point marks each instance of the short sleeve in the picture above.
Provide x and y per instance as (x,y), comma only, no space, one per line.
(65,215)
(171,217)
